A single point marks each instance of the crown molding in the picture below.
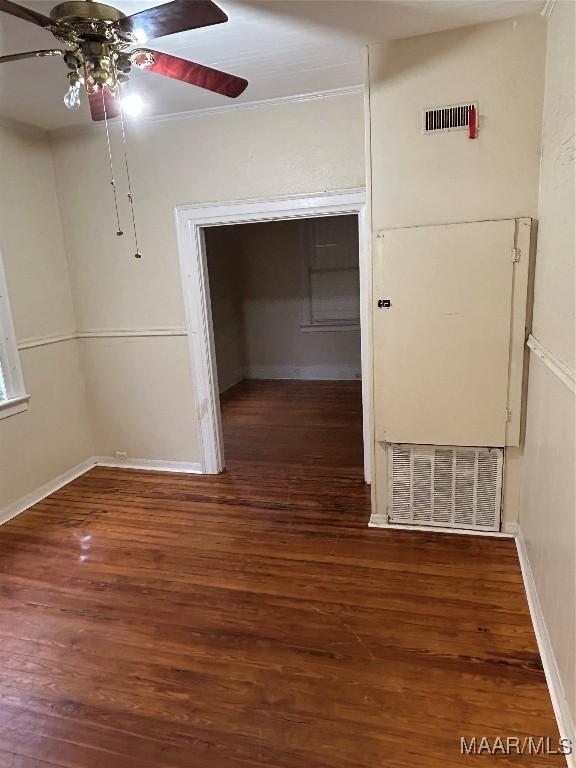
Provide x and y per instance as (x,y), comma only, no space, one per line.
(209,111)
(547,8)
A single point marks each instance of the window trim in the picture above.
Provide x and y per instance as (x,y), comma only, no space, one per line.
(345,325)
(17,400)
(14,405)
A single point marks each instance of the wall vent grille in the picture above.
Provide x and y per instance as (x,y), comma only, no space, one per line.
(445,486)
(448,118)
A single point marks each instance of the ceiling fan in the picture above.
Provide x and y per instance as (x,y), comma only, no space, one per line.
(102,45)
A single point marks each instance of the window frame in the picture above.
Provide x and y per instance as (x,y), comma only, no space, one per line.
(307,324)
(17,399)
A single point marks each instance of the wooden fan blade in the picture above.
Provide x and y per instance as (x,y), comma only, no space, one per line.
(167,19)
(32,55)
(197,74)
(100,99)
(24,13)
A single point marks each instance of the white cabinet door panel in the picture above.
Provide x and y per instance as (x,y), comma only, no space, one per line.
(441,349)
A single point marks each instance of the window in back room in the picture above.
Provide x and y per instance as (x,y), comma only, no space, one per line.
(331,300)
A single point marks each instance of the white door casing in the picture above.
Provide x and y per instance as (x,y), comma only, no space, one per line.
(190,221)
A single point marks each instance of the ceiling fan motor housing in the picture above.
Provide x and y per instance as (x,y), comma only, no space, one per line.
(89,27)
(80,10)
(78,21)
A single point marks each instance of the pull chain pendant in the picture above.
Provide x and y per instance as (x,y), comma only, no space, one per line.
(119,232)
(137,254)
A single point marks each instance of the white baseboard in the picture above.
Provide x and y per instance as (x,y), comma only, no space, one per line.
(45,490)
(510,528)
(557,695)
(187,467)
(309,372)
(379,521)
(286,372)
(27,501)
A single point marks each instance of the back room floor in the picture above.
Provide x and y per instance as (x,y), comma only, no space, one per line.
(157,620)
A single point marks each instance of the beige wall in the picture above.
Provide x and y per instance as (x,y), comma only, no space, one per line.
(553,322)
(274,265)
(265,269)
(548,505)
(446,177)
(53,435)
(302,147)
(140,397)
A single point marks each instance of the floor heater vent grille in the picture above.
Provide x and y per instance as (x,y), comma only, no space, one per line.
(444,486)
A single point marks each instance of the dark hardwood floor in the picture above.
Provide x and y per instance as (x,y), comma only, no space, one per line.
(152,620)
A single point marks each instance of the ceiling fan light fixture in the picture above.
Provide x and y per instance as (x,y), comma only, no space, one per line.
(72,95)
(132,104)
(98,50)
(99,42)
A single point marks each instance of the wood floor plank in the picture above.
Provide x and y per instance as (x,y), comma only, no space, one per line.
(252,620)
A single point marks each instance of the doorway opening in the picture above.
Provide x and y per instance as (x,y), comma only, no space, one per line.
(276,298)
(285,306)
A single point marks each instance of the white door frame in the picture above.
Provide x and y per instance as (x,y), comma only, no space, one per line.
(191,221)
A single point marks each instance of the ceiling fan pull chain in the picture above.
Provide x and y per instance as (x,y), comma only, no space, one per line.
(137,255)
(112,179)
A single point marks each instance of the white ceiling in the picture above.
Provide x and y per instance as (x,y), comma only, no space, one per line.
(283,47)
